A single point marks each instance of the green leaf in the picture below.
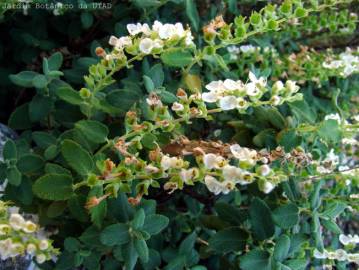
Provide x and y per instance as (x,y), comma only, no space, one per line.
(149,85)
(77,157)
(167,97)
(157,75)
(9,151)
(40,107)
(14,176)
(116,234)
(123,98)
(229,213)
(142,249)
(281,248)
(130,255)
(256,259)
(93,130)
(329,130)
(71,244)
(154,224)
(176,57)
(192,13)
(331,226)
(286,216)
(19,119)
(149,141)
(334,209)
(69,95)
(303,111)
(297,264)
(54,187)
(43,139)
(24,78)
(30,163)
(261,220)
(138,219)
(39,81)
(315,195)
(56,169)
(56,209)
(55,61)
(229,239)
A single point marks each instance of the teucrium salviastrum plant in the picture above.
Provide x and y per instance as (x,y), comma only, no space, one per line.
(247,151)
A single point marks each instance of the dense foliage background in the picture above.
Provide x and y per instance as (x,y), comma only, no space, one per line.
(245,229)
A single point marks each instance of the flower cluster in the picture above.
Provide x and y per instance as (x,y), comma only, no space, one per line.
(19,236)
(349,239)
(246,50)
(347,62)
(329,163)
(339,255)
(151,40)
(230,94)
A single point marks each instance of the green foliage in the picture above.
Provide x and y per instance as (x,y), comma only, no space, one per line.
(95,125)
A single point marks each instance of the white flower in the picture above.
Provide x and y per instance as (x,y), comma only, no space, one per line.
(134,29)
(157,43)
(16,249)
(212,161)
(333,116)
(278,86)
(29,227)
(348,239)
(213,185)
(217,187)
(170,162)
(215,86)
(121,42)
(264,170)
(40,258)
(319,255)
(4,229)
(151,169)
(209,97)
(167,31)
(341,255)
(189,39)
(5,248)
(233,49)
(189,174)
(247,48)
(323,170)
(43,244)
(259,82)
(291,86)
(275,100)
(244,154)
(16,221)
(228,103)
(146,45)
(268,187)
(232,173)
(252,89)
(156,26)
(231,85)
(31,249)
(177,107)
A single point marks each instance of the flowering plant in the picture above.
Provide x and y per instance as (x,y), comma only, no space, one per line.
(187,150)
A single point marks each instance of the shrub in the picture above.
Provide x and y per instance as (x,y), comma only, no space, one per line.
(181,149)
